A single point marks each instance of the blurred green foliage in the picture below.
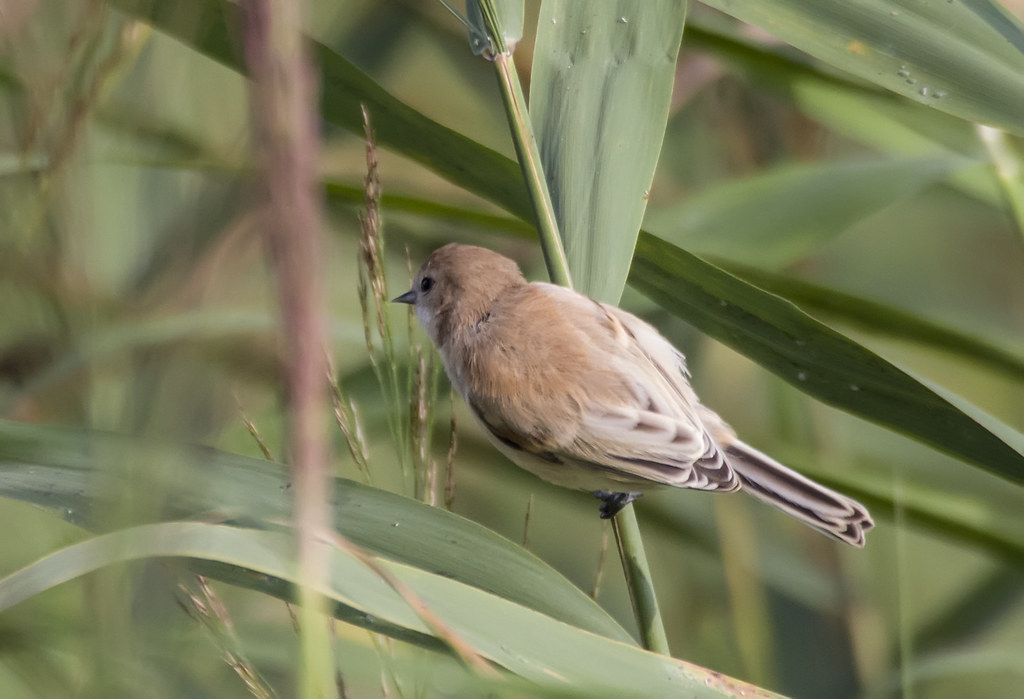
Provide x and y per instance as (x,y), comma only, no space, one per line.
(135,299)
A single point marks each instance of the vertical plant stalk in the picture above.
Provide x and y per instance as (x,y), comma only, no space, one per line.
(908,662)
(602,556)
(627,531)
(397,387)
(752,624)
(639,582)
(453,445)
(527,151)
(284,105)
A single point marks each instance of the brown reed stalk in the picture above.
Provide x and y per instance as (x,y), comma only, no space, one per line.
(283,95)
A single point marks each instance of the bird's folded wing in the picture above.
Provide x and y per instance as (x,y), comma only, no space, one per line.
(623,406)
(659,435)
(653,447)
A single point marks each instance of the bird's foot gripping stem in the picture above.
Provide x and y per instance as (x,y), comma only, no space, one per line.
(613,502)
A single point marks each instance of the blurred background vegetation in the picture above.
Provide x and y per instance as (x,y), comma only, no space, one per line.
(135,299)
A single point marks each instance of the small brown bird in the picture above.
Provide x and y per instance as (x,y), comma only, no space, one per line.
(590,397)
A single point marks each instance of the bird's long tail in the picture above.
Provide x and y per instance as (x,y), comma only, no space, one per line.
(822,508)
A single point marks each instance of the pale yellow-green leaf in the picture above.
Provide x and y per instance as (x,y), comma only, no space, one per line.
(599,97)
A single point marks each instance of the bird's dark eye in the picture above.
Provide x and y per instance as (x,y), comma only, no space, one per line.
(426,284)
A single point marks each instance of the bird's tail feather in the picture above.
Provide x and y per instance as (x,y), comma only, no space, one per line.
(822,508)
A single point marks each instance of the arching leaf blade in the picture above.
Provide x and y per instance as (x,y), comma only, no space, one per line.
(56,468)
(820,361)
(599,98)
(536,647)
(965,58)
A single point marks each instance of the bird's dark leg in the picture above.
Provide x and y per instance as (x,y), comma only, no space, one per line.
(613,502)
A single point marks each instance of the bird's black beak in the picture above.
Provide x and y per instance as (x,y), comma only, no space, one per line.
(408,297)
